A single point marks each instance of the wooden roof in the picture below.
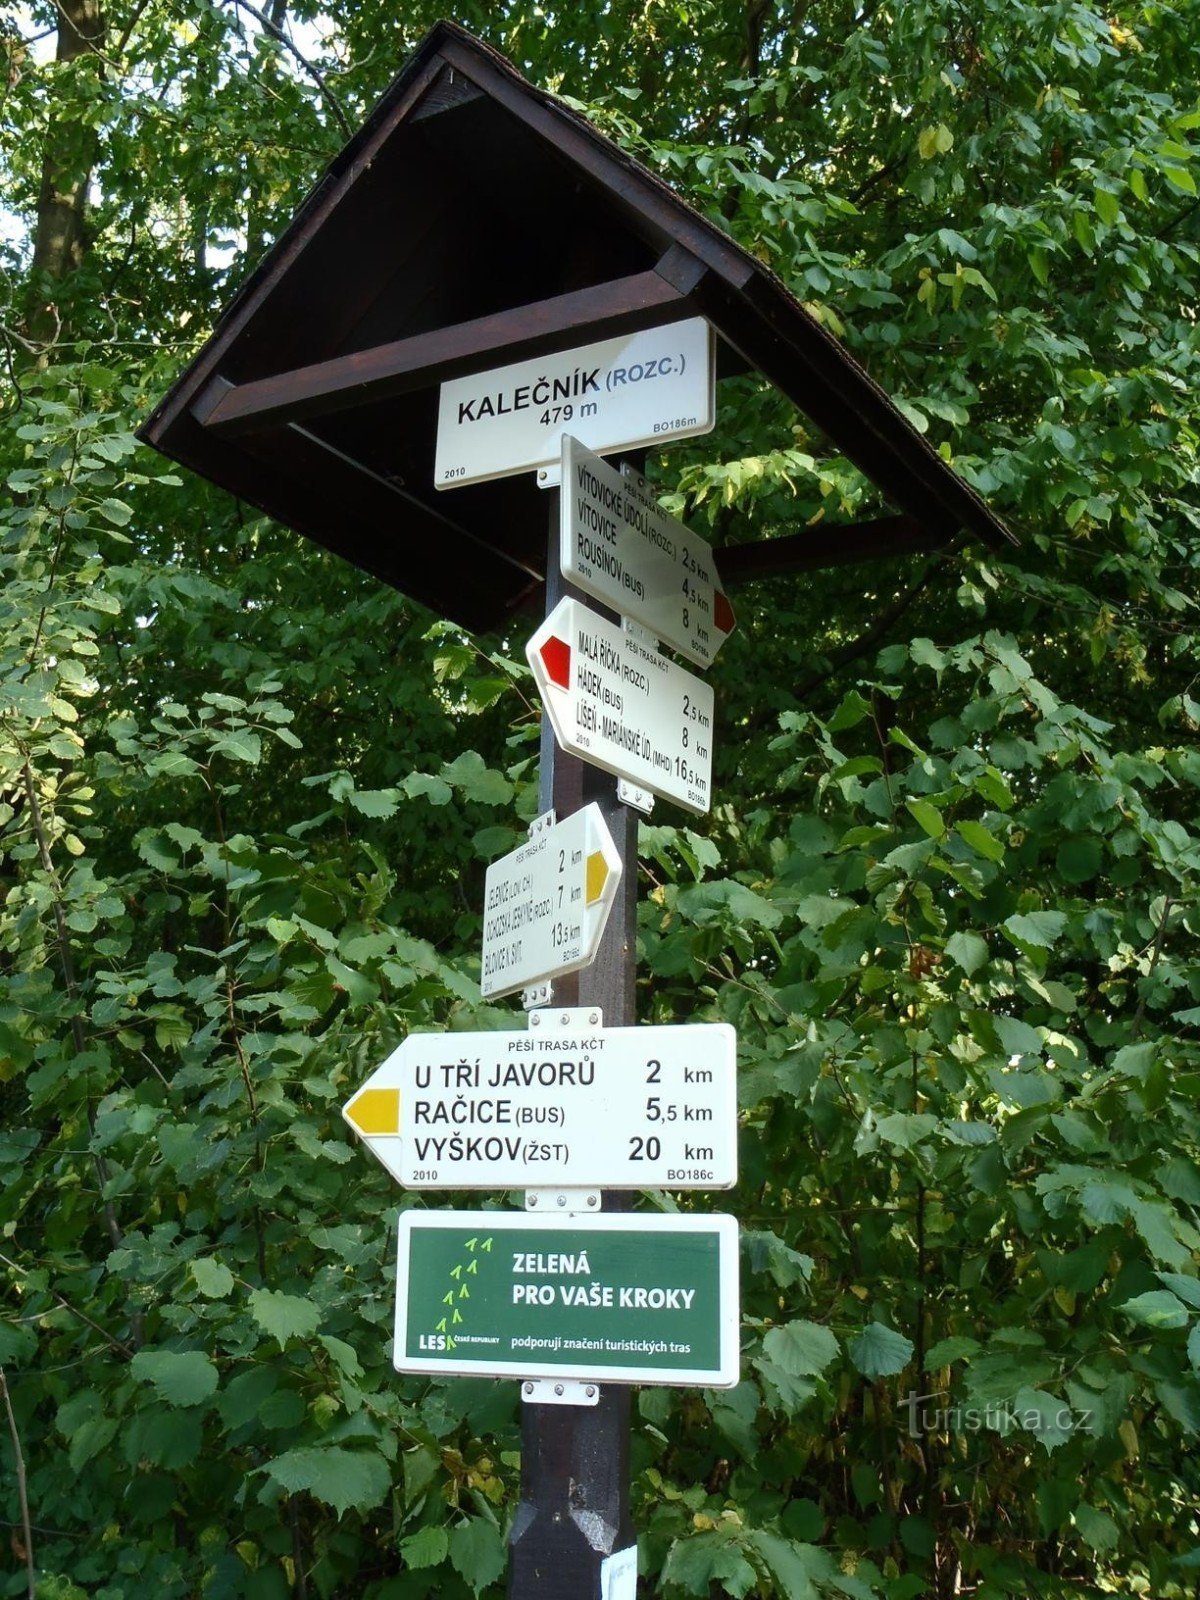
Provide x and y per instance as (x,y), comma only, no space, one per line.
(472,221)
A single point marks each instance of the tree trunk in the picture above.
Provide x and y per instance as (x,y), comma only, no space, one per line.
(67,161)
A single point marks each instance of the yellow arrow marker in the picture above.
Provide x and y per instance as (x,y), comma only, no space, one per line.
(456,1272)
(441,1326)
(597,876)
(464,1293)
(457,1317)
(448,1299)
(471,1243)
(473,1268)
(375,1111)
(451,1342)
(486,1245)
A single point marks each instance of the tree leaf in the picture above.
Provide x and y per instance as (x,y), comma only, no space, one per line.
(180,1377)
(693,1565)
(213,1277)
(1041,929)
(344,1479)
(477,1552)
(801,1348)
(375,802)
(879,1351)
(1096,1528)
(428,1547)
(284,1316)
(980,840)
(927,817)
(1157,1308)
(970,950)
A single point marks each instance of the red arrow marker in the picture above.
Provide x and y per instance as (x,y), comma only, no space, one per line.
(556,658)
(723,613)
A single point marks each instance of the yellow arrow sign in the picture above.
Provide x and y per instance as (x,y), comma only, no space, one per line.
(375,1111)
(597,876)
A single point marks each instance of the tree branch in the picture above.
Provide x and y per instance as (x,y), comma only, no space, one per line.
(22,1492)
(327,94)
(859,647)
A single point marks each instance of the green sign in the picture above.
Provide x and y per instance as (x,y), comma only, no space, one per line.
(628,1299)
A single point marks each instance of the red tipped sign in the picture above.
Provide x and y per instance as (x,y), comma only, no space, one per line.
(625,706)
(618,546)
(556,657)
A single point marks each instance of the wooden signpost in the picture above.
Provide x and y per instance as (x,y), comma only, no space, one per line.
(575,1110)
(384,354)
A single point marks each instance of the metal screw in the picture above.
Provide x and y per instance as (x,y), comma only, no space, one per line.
(566,1017)
(558,1388)
(532,1201)
(528,1388)
(593,1017)
(542,474)
(591,1199)
(562,1199)
(590,1390)
(535,1019)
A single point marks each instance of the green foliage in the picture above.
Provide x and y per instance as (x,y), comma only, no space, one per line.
(947,893)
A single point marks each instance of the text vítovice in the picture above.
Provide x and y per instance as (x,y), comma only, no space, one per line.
(618,546)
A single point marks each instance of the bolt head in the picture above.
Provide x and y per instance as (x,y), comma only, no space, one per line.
(532,1201)
(594,1017)
(558,1388)
(590,1390)
(591,1199)
(562,1199)
(566,1017)
(528,1388)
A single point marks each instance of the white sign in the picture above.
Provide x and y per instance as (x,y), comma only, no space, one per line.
(618,1575)
(546,903)
(613,698)
(577,1105)
(616,545)
(639,389)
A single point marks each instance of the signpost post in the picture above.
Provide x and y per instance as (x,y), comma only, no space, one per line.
(573,1529)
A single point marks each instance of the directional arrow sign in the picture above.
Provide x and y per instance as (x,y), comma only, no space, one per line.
(574,1104)
(546,903)
(617,546)
(618,702)
(629,1299)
